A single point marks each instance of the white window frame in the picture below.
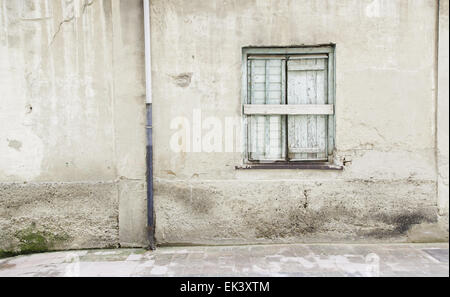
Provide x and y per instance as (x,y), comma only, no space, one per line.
(329,109)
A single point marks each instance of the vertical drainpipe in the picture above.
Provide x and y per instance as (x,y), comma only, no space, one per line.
(149,127)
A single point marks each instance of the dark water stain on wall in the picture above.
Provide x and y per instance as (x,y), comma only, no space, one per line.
(15,144)
(401,223)
(306,221)
(194,200)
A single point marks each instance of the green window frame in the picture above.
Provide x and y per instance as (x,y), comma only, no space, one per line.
(288,105)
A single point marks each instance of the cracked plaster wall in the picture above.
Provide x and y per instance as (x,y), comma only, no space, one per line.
(72,122)
(72,133)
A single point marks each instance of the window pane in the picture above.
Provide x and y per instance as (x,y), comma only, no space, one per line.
(267,134)
(267,138)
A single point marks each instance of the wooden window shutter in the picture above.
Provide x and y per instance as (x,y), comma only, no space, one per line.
(289,105)
(307,85)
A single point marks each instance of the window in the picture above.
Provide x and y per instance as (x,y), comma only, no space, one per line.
(288,105)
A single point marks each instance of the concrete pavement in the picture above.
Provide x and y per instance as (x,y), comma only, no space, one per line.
(248,261)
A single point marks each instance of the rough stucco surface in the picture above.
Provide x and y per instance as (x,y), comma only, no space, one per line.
(74,215)
(72,113)
(72,132)
(287,211)
(385,63)
(442,109)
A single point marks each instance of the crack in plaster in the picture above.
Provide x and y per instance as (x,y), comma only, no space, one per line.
(86,4)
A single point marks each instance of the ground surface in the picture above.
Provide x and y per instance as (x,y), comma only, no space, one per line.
(273,260)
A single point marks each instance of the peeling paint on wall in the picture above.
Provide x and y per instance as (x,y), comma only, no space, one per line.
(15,144)
(183,80)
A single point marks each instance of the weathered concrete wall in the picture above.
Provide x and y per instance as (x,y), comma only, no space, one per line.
(72,123)
(72,133)
(442,110)
(386,69)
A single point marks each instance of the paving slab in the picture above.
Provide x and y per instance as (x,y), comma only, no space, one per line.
(326,260)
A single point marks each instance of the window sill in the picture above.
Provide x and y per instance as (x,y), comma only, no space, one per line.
(299,166)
